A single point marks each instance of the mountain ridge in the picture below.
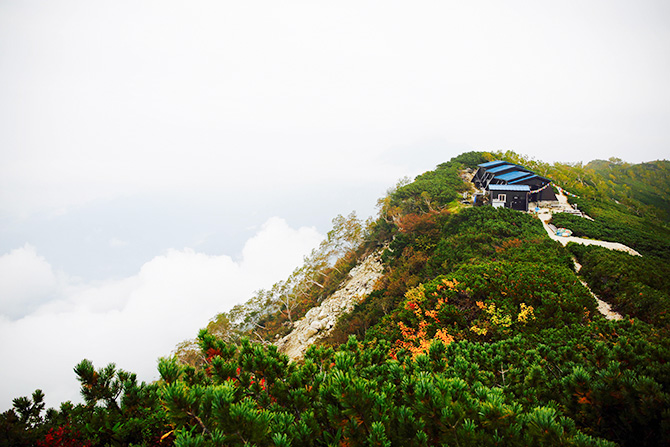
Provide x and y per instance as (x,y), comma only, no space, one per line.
(478,331)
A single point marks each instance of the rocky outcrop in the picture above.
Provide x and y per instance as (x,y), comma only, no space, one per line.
(320,320)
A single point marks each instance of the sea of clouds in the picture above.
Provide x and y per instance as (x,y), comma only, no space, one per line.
(50,321)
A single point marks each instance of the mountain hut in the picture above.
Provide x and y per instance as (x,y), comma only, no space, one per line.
(518,180)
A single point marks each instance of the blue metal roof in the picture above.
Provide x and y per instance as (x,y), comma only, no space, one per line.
(513,175)
(489,164)
(524,178)
(509,188)
(521,179)
(504,167)
(543,180)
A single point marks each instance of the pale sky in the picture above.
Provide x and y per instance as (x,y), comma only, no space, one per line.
(161,160)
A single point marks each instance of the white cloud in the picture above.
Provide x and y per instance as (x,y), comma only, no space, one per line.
(26,281)
(276,237)
(131,321)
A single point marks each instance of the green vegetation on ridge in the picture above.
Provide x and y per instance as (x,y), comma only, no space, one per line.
(479,333)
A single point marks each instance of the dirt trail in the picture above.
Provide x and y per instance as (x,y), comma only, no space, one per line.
(545,215)
(604,308)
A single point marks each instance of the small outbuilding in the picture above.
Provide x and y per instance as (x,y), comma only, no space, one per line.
(510,196)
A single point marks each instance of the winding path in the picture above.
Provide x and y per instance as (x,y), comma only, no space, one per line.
(603,307)
(545,215)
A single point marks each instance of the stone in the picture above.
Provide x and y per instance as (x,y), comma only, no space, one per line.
(319,321)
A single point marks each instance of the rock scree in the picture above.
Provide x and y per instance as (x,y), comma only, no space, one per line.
(320,320)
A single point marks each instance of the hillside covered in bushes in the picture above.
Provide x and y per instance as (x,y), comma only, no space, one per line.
(479,332)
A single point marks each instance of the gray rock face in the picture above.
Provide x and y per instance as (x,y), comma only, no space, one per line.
(320,320)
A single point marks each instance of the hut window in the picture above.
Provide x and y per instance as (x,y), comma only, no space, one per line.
(502,197)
